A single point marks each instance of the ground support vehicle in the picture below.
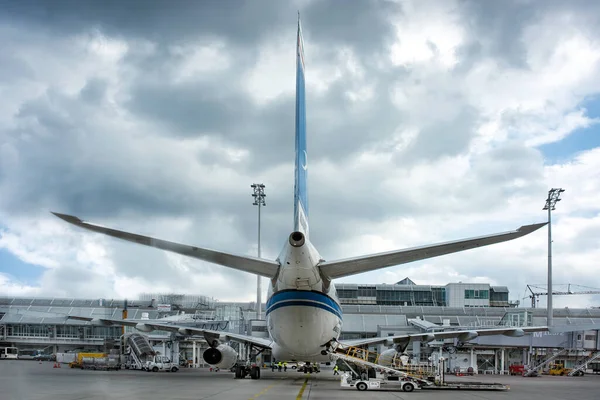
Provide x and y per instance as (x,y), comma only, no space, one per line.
(161,363)
(364,377)
(404,384)
(100,363)
(78,362)
(559,369)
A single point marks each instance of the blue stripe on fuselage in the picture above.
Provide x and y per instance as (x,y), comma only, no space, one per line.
(303,298)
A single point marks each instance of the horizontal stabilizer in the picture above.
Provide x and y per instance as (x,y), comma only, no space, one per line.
(258,266)
(356,265)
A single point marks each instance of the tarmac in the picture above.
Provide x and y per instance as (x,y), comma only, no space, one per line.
(30,380)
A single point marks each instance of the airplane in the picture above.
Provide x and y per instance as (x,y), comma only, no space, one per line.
(303,313)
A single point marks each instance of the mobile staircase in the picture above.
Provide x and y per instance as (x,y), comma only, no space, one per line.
(580,368)
(140,349)
(534,370)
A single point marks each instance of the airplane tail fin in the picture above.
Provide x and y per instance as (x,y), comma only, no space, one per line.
(300,186)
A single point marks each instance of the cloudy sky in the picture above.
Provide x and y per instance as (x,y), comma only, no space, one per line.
(428,121)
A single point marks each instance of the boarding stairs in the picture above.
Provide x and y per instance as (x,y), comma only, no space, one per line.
(583,365)
(369,359)
(544,363)
(140,348)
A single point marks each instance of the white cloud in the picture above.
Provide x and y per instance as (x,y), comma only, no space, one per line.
(199,61)
(428,33)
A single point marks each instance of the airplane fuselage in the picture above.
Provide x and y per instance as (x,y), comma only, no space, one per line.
(303,311)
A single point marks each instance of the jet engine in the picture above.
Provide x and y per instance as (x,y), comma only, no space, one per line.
(143,327)
(392,357)
(222,356)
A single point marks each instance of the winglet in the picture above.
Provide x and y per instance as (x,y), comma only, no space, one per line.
(527,229)
(69,218)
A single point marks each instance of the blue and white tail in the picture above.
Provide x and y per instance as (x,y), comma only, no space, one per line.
(300,186)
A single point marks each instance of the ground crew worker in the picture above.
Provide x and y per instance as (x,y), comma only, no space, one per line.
(284,366)
(279,366)
(335,370)
(272,366)
(363,375)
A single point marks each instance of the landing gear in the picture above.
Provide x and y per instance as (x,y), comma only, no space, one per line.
(309,368)
(255,372)
(240,372)
(247,368)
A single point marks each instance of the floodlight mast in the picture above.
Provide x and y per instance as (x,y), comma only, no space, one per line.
(259,200)
(553,198)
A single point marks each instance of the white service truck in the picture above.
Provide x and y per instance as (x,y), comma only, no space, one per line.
(364,383)
(161,363)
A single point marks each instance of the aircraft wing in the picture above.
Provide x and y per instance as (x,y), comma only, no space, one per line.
(356,265)
(185,330)
(463,335)
(258,266)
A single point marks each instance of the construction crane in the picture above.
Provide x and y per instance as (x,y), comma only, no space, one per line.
(570,289)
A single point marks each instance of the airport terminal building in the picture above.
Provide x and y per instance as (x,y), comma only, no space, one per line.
(40,324)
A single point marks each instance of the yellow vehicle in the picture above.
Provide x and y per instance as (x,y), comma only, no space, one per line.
(78,363)
(559,369)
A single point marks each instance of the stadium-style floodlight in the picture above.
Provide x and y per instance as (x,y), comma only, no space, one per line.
(553,198)
(259,200)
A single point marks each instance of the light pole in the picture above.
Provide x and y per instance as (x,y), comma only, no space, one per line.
(259,200)
(553,198)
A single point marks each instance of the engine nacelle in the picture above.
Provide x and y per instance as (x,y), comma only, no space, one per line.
(98,321)
(143,327)
(222,356)
(392,357)
(184,331)
(465,337)
(515,333)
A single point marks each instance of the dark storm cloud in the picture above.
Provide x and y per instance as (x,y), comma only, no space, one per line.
(340,128)
(209,109)
(237,20)
(241,22)
(94,91)
(501,24)
(363,25)
(448,138)
(509,170)
(495,28)
(67,169)
(587,239)
(12,69)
